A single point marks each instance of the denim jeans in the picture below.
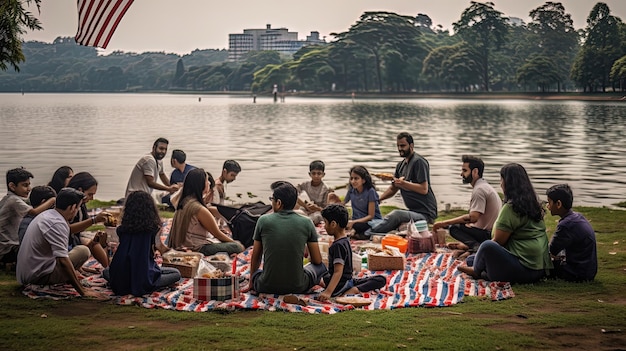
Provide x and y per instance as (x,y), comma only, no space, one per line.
(394,219)
(495,263)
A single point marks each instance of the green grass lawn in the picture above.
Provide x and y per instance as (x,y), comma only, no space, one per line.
(548,315)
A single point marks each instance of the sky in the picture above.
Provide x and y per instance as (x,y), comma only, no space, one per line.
(182,26)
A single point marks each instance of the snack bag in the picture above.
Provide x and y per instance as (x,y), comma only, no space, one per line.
(411,231)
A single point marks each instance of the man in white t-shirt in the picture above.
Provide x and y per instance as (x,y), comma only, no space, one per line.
(150,168)
(473,228)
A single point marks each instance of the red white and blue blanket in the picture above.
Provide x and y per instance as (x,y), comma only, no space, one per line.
(429,280)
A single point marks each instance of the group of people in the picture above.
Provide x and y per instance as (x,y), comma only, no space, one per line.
(41,227)
(43,236)
(502,240)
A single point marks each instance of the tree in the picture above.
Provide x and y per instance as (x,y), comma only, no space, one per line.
(603,45)
(423,21)
(14,21)
(180,71)
(553,35)
(618,72)
(453,66)
(263,58)
(540,70)
(518,49)
(307,69)
(376,32)
(585,64)
(485,30)
(266,77)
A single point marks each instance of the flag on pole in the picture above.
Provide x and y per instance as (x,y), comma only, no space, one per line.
(97,20)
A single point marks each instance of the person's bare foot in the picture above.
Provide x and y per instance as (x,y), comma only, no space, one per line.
(293,299)
(469,271)
(458,246)
(460,254)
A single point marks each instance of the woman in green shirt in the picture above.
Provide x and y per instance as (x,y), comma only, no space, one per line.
(518,252)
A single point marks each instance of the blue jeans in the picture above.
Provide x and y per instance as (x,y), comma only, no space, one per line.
(495,263)
(394,219)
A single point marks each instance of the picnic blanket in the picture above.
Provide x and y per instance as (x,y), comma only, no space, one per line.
(429,280)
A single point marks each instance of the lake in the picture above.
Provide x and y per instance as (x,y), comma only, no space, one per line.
(580,143)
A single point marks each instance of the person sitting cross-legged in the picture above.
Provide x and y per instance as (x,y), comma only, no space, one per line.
(133,269)
(473,228)
(518,252)
(280,239)
(43,258)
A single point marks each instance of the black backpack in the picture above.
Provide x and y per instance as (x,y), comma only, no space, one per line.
(242,220)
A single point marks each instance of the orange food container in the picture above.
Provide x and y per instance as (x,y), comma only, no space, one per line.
(395,241)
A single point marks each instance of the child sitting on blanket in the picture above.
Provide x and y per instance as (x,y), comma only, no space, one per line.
(313,194)
(364,200)
(338,280)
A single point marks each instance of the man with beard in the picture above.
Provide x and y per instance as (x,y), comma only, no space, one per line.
(412,178)
(148,169)
(475,227)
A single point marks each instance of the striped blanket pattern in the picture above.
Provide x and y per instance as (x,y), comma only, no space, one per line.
(429,280)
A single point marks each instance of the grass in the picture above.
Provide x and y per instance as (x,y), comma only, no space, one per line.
(547,315)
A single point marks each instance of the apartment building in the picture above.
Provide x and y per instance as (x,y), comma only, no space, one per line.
(273,39)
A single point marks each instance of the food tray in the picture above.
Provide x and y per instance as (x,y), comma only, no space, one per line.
(185,262)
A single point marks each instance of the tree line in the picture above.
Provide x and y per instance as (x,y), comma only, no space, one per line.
(381,52)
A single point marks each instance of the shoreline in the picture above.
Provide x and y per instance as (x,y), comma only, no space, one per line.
(612,96)
(550,96)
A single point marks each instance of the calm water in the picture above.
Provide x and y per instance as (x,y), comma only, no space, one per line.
(581,143)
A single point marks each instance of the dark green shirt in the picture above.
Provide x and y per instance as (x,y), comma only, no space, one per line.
(284,236)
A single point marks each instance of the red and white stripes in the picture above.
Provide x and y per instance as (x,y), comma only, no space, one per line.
(98,19)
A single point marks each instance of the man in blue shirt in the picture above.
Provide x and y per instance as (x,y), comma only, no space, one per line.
(178,174)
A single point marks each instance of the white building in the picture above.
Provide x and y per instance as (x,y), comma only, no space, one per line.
(516,21)
(273,39)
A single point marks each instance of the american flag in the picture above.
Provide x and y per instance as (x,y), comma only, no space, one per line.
(97,20)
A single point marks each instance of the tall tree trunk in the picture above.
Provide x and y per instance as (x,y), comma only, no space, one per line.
(345,77)
(380,82)
(486,71)
(364,75)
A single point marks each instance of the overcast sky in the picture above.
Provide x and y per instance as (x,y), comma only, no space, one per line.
(181,26)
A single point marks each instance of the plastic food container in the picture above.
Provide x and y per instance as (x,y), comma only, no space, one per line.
(421,226)
(395,241)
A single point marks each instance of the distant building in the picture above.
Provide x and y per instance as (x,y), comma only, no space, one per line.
(273,39)
(516,21)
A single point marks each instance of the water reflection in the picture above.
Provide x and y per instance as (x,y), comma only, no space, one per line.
(581,143)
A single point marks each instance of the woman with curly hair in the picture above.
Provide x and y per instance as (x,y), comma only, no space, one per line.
(364,201)
(518,252)
(133,269)
(194,227)
(61,178)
